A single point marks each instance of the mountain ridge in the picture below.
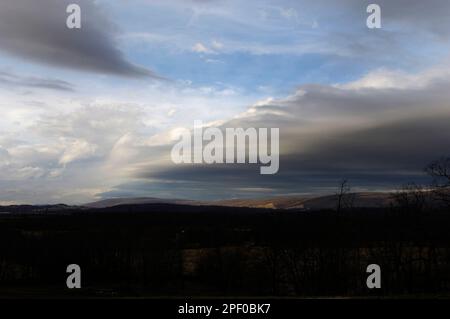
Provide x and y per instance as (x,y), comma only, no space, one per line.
(361,199)
(307,202)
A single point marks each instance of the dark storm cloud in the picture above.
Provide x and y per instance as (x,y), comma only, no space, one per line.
(401,145)
(398,147)
(383,156)
(379,138)
(36,30)
(13,80)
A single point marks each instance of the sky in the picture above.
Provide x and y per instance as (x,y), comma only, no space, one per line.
(93,113)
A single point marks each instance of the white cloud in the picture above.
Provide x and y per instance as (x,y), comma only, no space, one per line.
(391,79)
(289,13)
(217,45)
(201,48)
(171,112)
(76,150)
(55,147)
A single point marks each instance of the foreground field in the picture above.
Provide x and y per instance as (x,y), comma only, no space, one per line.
(174,250)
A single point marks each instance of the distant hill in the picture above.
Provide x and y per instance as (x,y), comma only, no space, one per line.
(138,201)
(35,208)
(361,200)
(368,200)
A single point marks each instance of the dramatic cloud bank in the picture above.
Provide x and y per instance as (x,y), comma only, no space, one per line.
(36,30)
(379,131)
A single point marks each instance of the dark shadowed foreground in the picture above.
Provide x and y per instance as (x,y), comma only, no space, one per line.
(174,250)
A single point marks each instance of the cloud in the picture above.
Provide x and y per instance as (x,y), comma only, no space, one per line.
(389,79)
(334,29)
(200,48)
(65,156)
(379,136)
(13,80)
(77,149)
(36,31)
(4,156)
(217,44)
(59,148)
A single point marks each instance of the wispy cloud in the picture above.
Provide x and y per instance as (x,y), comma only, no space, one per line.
(14,80)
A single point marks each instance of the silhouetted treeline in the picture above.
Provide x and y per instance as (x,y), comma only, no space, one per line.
(160,250)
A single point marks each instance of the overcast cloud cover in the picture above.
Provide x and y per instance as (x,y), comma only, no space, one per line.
(93,113)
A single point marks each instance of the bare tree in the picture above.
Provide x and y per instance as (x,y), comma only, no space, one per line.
(345,198)
(439,170)
(412,198)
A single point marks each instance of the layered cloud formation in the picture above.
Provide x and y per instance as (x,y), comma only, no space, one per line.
(379,132)
(81,119)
